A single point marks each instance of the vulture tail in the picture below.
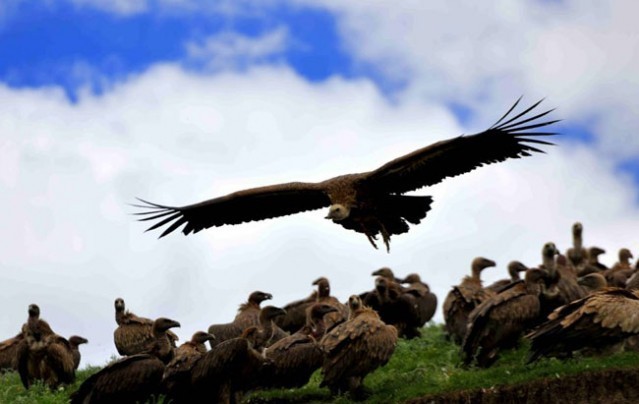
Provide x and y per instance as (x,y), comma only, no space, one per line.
(412,208)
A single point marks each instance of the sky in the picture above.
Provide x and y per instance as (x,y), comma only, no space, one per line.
(178,101)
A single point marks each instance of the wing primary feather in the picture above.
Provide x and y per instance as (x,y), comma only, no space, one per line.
(532,118)
(151,204)
(150,212)
(523,139)
(174,226)
(537,125)
(165,221)
(165,213)
(519,115)
(507,112)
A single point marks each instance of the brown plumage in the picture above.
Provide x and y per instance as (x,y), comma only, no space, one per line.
(247,315)
(426,300)
(130,380)
(561,280)
(295,317)
(226,370)
(296,357)
(74,342)
(324,296)
(9,353)
(597,321)
(577,255)
(463,298)
(514,268)
(372,202)
(134,333)
(177,373)
(592,282)
(58,363)
(355,348)
(33,347)
(622,270)
(397,306)
(499,321)
(267,331)
(592,263)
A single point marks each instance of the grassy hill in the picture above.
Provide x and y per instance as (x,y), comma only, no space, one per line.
(425,366)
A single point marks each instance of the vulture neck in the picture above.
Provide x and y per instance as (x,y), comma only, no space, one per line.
(549,265)
(514,273)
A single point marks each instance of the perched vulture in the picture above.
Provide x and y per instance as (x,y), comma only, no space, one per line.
(592,263)
(74,342)
(577,254)
(561,286)
(372,202)
(225,371)
(295,317)
(130,380)
(514,268)
(33,348)
(178,371)
(501,320)
(355,348)
(398,307)
(296,357)
(57,365)
(592,282)
(248,315)
(426,300)
(267,332)
(600,320)
(463,298)
(621,271)
(324,296)
(133,334)
(9,353)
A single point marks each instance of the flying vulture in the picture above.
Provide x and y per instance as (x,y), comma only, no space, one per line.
(372,202)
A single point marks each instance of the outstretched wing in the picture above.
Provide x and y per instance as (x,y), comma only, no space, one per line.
(243,206)
(509,137)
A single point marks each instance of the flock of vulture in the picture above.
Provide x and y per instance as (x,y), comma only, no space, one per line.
(263,347)
(570,303)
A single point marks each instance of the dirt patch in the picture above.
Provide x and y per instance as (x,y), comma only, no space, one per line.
(610,386)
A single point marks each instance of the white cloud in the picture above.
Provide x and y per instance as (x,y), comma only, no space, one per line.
(173,137)
(119,7)
(231,50)
(577,53)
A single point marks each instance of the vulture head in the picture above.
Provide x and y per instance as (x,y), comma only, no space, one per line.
(593,281)
(201,337)
(164,324)
(76,340)
(514,268)
(481,263)
(270,312)
(577,229)
(318,310)
(34,311)
(412,278)
(536,280)
(119,305)
(385,272)
(338,212)
(323,287)
(354,303)
(595,252)
(258,297)
(625,255)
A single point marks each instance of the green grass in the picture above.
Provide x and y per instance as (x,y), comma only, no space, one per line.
(427,365)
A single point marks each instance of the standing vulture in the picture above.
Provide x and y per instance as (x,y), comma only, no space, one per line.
(602,319)
(577,254)
(463,299)
(499,321)
(296,357)
(247,315)
(75,341)
(134,334)
(426,300)
(372,202)
(514,268)
(355,348)
(33,347)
